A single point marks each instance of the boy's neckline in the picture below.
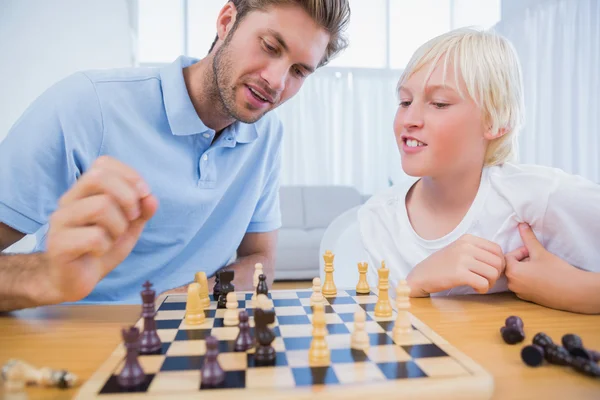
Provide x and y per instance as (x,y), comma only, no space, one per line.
(465,223)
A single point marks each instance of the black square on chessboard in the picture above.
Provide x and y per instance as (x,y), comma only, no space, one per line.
(293,320)
(233,380)
(192,334)
(348,355)
(112,386)
(353,293)
(401,370)
(249,296)
(328,309)
(219,323)
(424,350)
(388,326)
(341,300)
(280,361)
(168,323)
(297,343)
(368,307)
(349,317)
(307,376)
(380,339)
(183,363)
(172,306)
(286,303)
(333,329)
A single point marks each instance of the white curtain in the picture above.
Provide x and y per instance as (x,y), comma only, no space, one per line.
(339,130)
(558,42)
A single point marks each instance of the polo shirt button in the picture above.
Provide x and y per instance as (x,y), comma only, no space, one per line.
(206,135)
(205,157)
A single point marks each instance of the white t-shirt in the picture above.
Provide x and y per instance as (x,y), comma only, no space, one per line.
(562,209)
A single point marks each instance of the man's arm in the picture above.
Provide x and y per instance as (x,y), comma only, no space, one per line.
(254,248)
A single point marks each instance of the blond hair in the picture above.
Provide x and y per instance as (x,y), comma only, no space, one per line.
(489,66)
(331,15)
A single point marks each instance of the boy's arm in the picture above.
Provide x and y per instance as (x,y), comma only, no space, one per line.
(537,275)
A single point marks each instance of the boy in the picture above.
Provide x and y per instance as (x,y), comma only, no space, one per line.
(465,224)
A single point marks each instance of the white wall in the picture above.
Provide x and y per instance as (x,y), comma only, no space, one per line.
(44,41)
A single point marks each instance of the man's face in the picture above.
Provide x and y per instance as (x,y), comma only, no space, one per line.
(266,60)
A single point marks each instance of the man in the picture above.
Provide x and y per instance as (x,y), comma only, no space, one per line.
(140,174)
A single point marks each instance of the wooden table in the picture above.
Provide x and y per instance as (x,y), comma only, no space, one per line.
(80,338)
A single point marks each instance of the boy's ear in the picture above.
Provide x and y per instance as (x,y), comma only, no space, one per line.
(489,135)
(226,20)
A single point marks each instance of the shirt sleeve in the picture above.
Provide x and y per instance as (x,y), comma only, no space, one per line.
(57,137)
(571,223)
(267,214)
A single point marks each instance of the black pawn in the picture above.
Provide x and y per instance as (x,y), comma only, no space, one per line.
(217,287)
(557,355)
(542,340)
(265,353)
(532,355)
(212,375)
(262,287)
(586,367)
(225,278)
(512,332)
(574,346)
(244,340)
(132,374)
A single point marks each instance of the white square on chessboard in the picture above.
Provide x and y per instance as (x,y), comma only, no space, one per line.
(150,364)
(360,372)
(187,348)
(441,366)
(297,358)
(341,293)
(329,318)
(269,377)
(387,353)
(233,361)
(341,341)
(167,383)
(220,313)
(207,324)
(346,308)
(176,298)
(169,314)
(167,335)
(293,310)
(409,339)
(225,333)
(284,295)
(241,295)
(370,327)
(372,315)
(366,299)
(290,331)
(306,302)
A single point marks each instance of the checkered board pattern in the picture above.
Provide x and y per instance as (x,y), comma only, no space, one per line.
(422,365)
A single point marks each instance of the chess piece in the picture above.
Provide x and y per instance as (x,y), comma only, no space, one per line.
(263,302)
(557,355)
(231,314)
(585,366)
(216,287)
(225,278)
(258,271)
(317,295)
(575,347)
(532,355)
(194,312)
(403,325)
(150,342)
(329,288)
(512,331)
(244,340)
(362,287)
(383,308)
(319,354)
(542,340)
(265,353)
(262,287)
(16,374)
(360,337)
(211,375)
(132,374)
(201,279)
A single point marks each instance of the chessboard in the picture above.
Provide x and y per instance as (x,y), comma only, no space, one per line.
(422,365)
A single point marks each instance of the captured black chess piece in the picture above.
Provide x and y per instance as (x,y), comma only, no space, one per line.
(132,374)
(225,278)
(553,353)
(262,287)
(586,367)
(512,331)
(150,342)
(532,355)
(244,340)
(212,375)
(574,345)
(265,353)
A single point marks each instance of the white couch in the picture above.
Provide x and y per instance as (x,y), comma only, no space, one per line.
(306,213)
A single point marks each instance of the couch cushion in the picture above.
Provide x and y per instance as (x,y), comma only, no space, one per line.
(322,204)
(292,209)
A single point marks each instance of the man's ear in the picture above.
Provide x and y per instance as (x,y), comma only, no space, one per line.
(226,20)
(489,135)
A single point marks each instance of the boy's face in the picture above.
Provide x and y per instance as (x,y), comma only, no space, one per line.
(448,130)
(269,55)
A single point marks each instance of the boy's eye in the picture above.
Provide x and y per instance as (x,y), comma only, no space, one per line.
(440,105)
(405,104)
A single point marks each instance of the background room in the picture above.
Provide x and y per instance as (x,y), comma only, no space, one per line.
(339,146)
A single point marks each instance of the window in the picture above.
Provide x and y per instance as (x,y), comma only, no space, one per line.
(382,33)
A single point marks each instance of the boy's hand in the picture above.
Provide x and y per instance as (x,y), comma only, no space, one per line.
(470,261)
(535,274)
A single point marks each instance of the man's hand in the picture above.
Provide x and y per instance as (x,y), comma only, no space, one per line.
(534,274)
(95,227)
(470,261)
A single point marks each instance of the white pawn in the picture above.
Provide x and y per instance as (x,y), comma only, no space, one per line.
(258,270)
(403,325)
(231,317)
(360,337)
(317,295)
(263,302)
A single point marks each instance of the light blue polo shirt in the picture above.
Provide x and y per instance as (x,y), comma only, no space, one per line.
(210,194)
